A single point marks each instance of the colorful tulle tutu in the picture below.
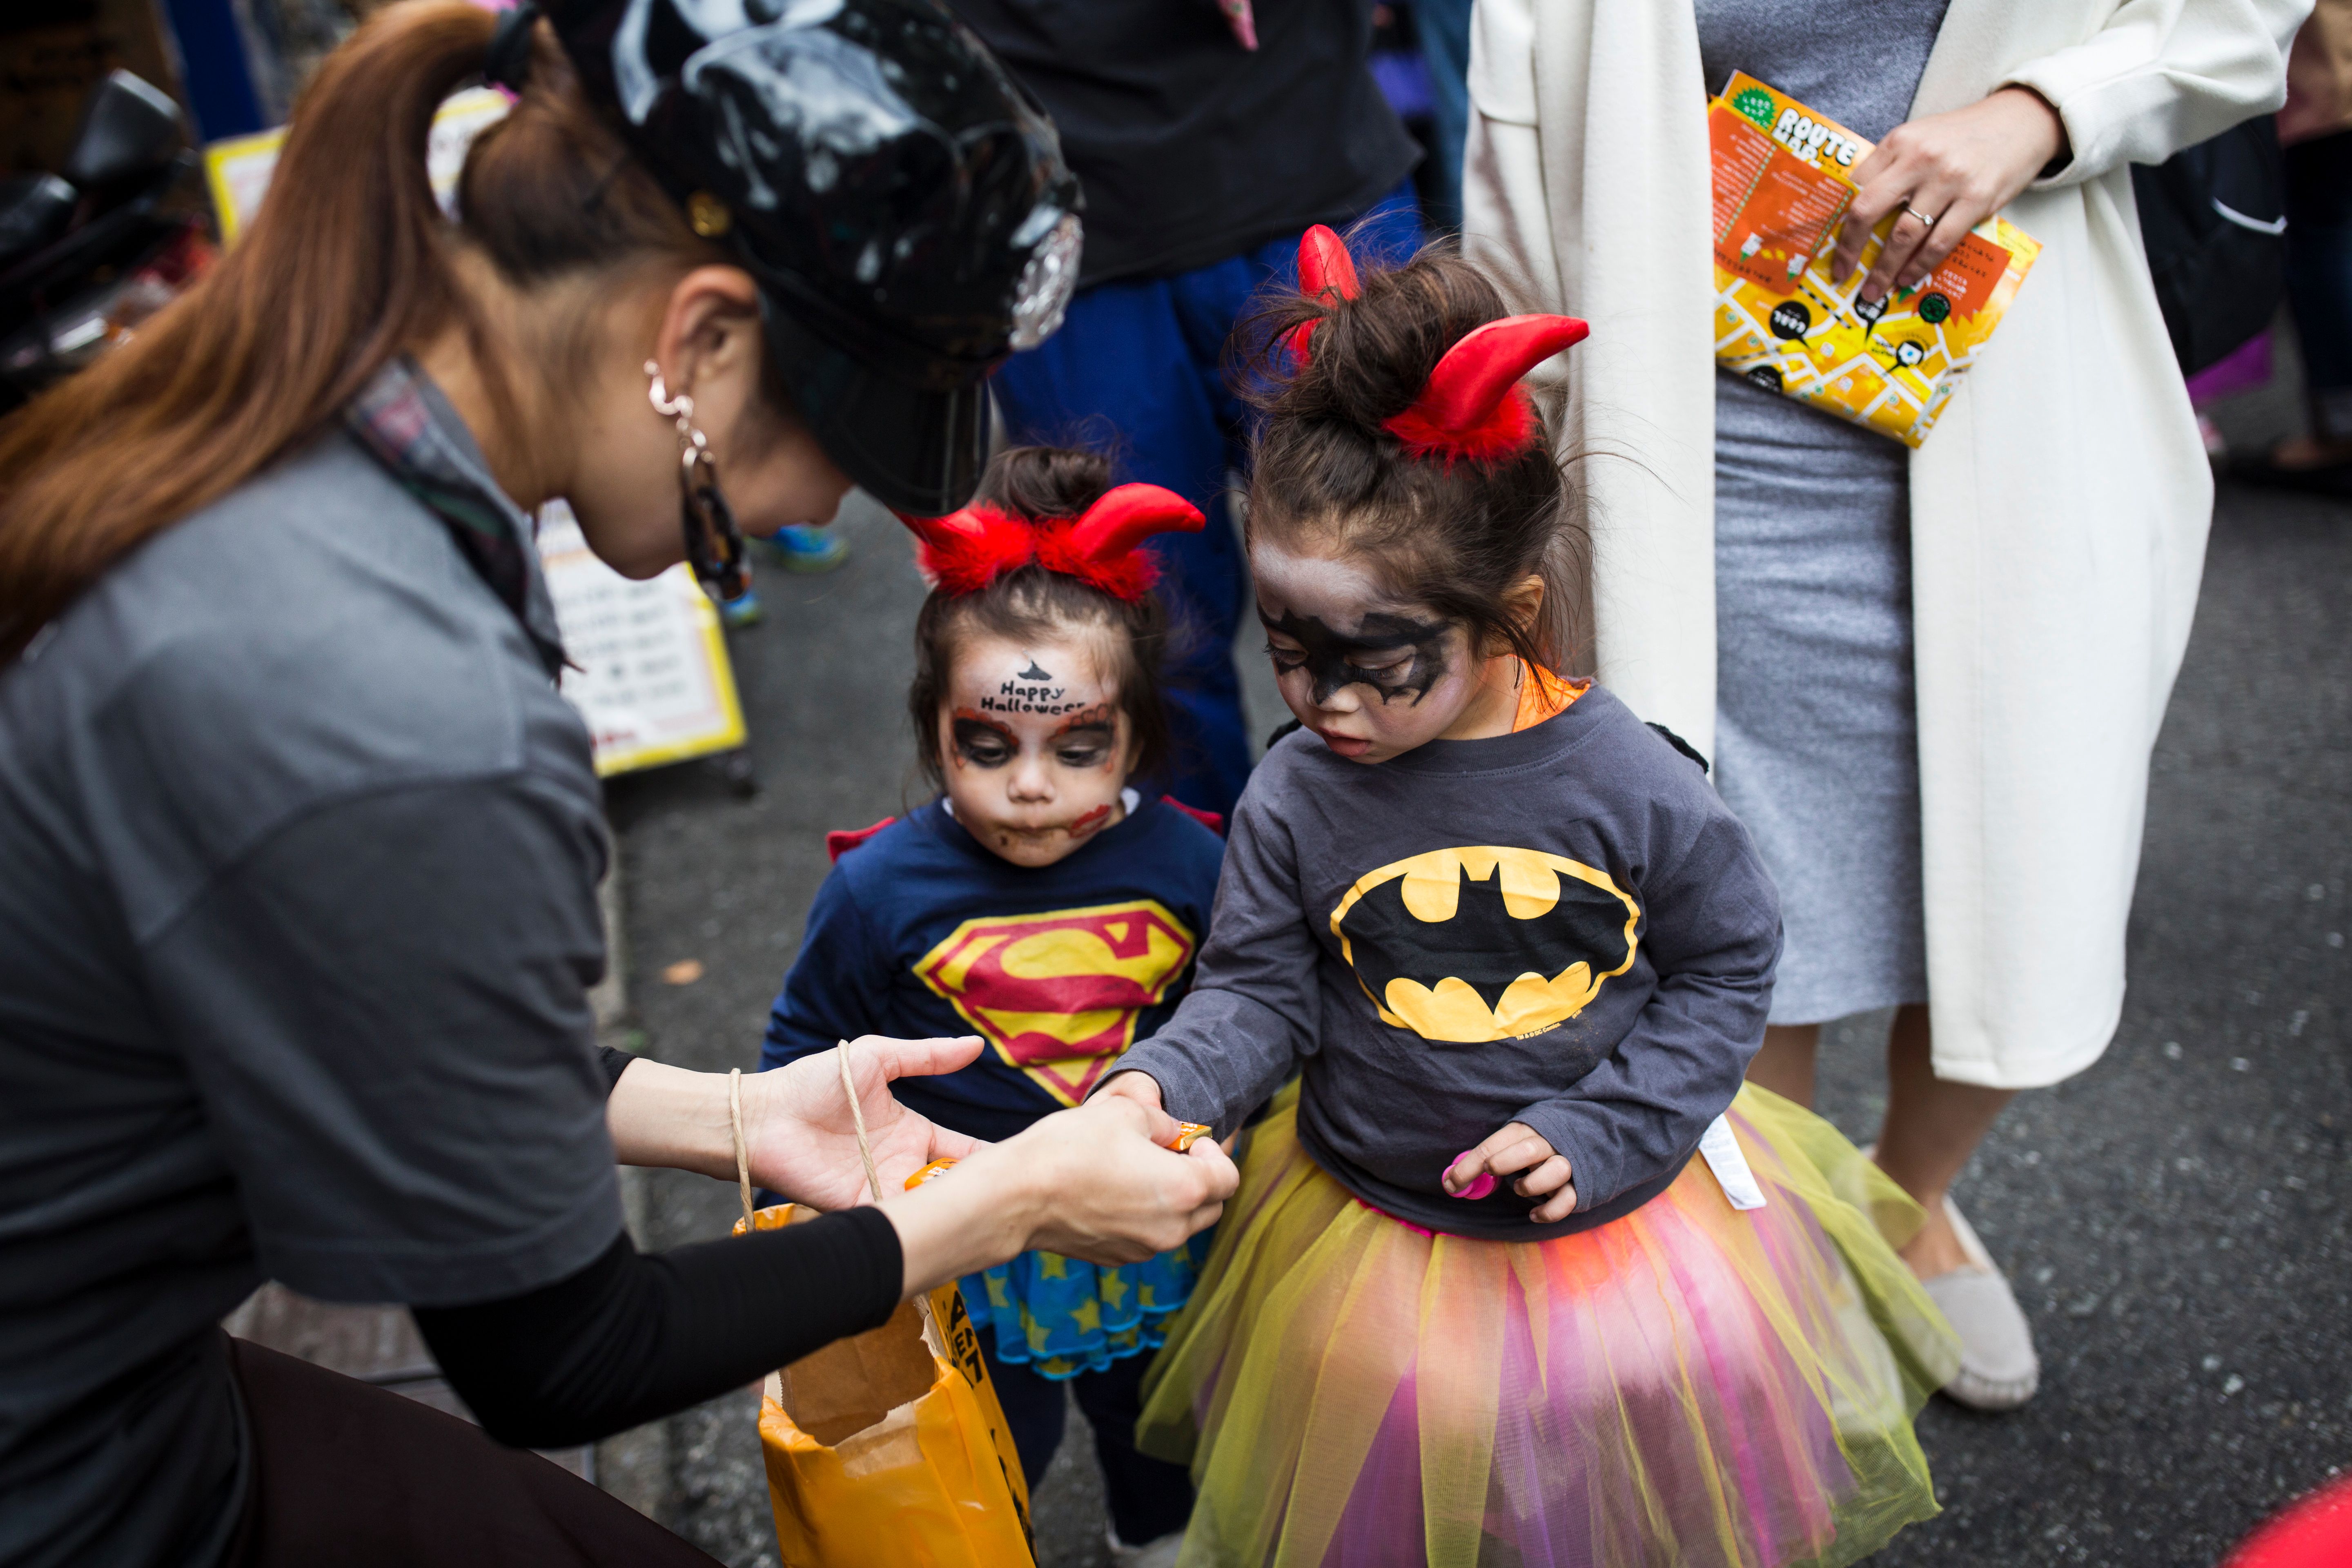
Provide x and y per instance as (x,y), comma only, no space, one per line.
(1691,1385)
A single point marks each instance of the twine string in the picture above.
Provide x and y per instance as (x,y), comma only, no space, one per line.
(857,1115)
(742,1150)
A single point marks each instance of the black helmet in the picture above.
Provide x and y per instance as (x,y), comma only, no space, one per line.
(901,201)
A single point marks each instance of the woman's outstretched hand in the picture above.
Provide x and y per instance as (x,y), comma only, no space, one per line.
(1956,169)
(804,1141)
(1095,1182)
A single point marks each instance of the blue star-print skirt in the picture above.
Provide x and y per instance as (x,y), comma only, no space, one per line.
(1060,1317)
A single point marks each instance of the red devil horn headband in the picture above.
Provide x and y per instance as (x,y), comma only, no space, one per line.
(968,550)
(1473,407)
(1325,265)
(1325,268)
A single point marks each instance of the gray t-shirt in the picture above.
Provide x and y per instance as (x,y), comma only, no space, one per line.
(1563,927)
(297,855)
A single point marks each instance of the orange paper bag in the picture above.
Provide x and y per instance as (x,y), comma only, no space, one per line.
(888,1449)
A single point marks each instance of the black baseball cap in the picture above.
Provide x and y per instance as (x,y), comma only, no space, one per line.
(900,200)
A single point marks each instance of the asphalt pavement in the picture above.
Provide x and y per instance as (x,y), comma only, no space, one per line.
(2177,1219)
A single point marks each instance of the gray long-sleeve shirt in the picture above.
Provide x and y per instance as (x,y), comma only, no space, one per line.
(299,851)
(1563,927)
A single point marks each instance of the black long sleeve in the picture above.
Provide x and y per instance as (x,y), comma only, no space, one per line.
(633,1336)
(614,1062)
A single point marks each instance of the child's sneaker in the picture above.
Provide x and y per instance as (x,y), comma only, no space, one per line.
(806,548)
(743,610)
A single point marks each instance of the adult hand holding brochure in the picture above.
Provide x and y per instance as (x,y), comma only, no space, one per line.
(1784,177)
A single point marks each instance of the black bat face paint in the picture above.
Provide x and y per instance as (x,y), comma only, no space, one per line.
(1367,657)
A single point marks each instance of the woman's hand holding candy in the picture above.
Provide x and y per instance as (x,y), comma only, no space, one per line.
(1119,1193)
(1093,1182)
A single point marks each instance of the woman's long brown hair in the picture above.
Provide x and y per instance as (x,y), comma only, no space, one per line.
(348,263)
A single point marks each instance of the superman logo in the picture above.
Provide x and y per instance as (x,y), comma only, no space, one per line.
(1484,943)
(1057,995)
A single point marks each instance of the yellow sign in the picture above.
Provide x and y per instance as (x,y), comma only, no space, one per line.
(238,169)
(652,679)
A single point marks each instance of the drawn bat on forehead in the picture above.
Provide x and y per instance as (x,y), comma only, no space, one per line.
(1484,943)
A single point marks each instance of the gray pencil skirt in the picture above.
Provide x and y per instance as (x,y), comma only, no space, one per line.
(1817,746)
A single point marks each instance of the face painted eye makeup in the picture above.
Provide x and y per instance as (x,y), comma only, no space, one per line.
(981,742)
(1087,748)
(1086,740)
(1393,655)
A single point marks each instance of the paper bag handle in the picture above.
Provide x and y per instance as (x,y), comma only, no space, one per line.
(857,1115)
(743,1153)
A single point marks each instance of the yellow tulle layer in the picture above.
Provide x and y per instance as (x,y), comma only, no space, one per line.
(1690,1385)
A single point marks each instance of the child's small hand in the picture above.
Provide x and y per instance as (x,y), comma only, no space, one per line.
(1517,1147)
(1139,1086)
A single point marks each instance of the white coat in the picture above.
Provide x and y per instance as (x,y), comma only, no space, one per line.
(2058,510)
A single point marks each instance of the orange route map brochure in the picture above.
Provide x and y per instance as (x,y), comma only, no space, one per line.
(1783,179)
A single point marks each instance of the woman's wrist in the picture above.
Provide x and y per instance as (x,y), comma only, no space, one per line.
(2048,156)
(669,1117)
(966,1221)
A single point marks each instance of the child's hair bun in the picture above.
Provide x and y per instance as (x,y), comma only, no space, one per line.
(1450,492)
(1367,357)
(1034,483)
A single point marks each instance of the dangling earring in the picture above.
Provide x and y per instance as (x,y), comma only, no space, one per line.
(714,545)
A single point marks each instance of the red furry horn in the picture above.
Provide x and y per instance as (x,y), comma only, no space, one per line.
(944,533)
(1125,516)
(1324,267)
(1472,407)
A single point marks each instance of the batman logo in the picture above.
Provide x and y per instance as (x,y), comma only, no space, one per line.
(1484,942)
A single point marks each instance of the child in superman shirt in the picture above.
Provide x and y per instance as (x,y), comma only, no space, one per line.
(1039,902)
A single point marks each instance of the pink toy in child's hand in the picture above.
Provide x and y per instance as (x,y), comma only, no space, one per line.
(1480,1185)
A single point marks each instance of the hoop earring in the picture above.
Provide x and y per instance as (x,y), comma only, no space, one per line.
(714,545)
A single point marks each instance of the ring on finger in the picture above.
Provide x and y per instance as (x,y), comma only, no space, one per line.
(1923,217)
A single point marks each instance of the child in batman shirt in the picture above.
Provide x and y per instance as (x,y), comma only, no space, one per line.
(1475,1301)
(1039,902)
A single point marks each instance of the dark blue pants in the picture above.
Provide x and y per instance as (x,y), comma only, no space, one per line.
(1137,370)
(2319,275)
(1443,30)
(1149,1498)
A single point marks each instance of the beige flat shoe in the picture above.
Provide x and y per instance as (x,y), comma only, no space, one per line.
(1999,1370)
(1160,1553)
